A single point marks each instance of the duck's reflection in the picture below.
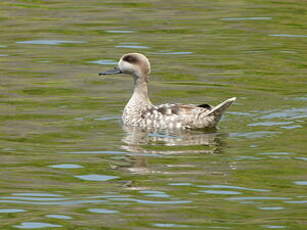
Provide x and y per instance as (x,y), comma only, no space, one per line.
(171,142)
(143,144)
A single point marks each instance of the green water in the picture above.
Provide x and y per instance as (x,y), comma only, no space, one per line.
(66,162)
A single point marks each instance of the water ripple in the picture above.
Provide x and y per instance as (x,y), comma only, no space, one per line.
(246,18)
(301,158)
(233,187)
(152,201)
(99,152)
(296,202)
(37,194)
(173,52)
(270,123)
(291,127)
(102,210)
(252,135)
(66,166)
(132,47)
(258,198)
(276,153)
(271,208)
(108,118)
(32,225)
(164,225)
(120,31)
(289,35)
(62,203)
(96,177)
(151,193)
(33,198)
(103,62)
(291,114)
(273,226)
(220,192)
(49,42)
(62,217)
(301,98)
(180,184)
(11,210)
(241,113)
(300,182)
(247,158)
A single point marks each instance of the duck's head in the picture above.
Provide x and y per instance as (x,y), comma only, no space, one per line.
(135,64)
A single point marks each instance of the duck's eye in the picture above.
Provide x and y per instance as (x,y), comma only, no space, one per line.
(130,59)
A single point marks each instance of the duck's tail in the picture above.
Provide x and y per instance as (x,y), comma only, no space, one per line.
(218,110)
(212,117)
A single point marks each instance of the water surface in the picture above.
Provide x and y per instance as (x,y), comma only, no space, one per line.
(66,162)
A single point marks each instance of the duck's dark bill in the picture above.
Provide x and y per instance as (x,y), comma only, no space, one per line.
(112,71)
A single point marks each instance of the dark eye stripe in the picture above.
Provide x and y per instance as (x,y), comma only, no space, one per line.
(130,59)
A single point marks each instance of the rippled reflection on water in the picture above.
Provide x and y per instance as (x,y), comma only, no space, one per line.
(66,162)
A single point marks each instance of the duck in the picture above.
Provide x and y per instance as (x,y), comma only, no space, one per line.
(139,112)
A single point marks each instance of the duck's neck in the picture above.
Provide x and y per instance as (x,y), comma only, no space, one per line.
(139,99)
(140,90)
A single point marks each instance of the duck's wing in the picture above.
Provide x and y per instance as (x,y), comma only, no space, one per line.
(204,109)
(181,109)
(175,112)
(172,115)
(185,115)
